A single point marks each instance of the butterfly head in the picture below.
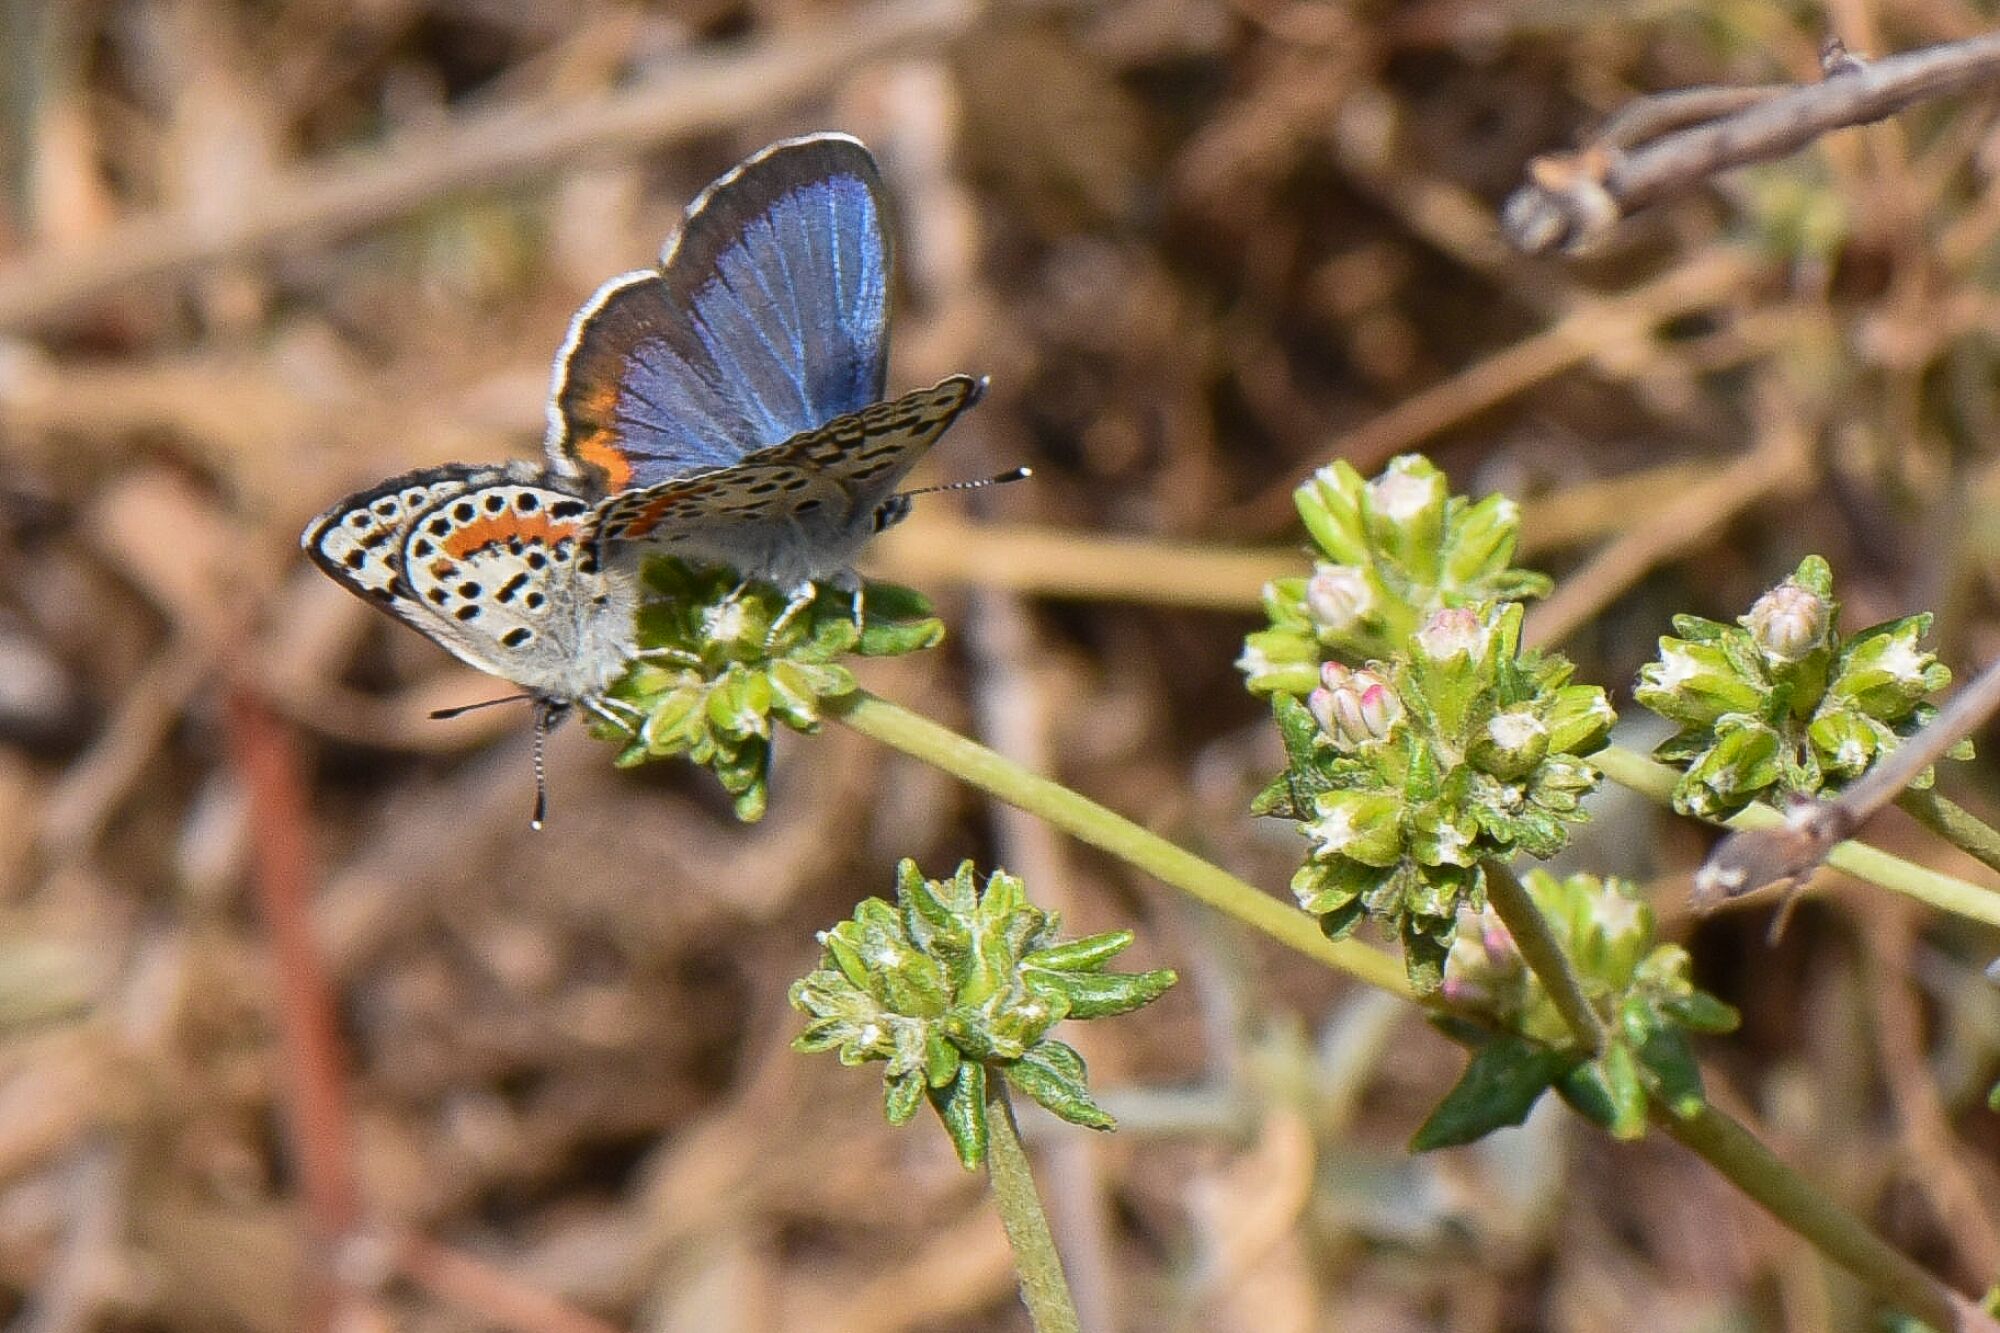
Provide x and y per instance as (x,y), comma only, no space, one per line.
(892,511)
(897,507)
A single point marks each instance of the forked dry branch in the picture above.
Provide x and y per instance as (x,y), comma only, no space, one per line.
(1668,144)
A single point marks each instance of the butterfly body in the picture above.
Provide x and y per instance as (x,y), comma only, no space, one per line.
(800,511)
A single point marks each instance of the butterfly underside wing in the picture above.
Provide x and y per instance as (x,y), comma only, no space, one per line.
(800,510)
(500,572)
(359,542)
(767,317)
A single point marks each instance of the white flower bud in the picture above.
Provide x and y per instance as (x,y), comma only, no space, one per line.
(1338,596)
(1789,622)
(1400,496)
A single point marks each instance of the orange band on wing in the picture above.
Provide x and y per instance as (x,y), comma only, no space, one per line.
(591,409)
(595,447)
(644,519)
(485,532)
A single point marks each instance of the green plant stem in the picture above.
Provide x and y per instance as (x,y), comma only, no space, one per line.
(1945,892)
(1786,1195)
(1539,948)
(1044,1290)
(973,763)
(1955,824)
(1720,1141)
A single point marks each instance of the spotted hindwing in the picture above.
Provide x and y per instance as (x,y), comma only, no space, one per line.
(359,542)
(829,478)
(498,570)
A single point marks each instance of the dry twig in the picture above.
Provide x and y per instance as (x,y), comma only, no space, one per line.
(1749,859)
(1593,330)
(1666,145)
(321,200)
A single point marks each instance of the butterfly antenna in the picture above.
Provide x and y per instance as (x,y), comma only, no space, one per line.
(441,714)
(1000,479)
(536,819)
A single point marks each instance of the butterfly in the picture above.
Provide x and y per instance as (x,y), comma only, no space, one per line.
(724,406)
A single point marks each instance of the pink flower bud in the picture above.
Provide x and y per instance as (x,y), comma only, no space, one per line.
(1353,707)
(1450,632)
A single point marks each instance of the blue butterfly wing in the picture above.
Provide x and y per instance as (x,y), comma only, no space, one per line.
(768,316)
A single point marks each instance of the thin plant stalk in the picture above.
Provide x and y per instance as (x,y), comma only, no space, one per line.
(1044,1290)
(1516,909)
(1955,824)
(1788,1196)
(1084,818)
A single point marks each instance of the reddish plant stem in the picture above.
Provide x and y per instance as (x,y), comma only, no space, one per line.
(282,879)
(500,1301)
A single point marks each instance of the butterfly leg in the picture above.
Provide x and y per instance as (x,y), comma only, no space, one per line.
(849,582)
(796,601)
(678,656)
(603,706)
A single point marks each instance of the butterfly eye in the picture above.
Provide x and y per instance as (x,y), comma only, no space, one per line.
(892,511)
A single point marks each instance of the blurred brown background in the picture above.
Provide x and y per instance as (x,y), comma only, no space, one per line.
(256,254)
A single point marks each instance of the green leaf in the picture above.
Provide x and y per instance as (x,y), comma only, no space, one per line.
(1334,890)
(1363,826)
(1086,954)
(1699,629)
(821,1035)
(1665,1055)
(941,1059)
(1053,1075)
(1102,995)
(749,804)
(1695,683)
(843,949)
(1330,506)
(1584,1088)
(1279,661)
(1481,540)
(961,1105)
(1701,1012)
(1609,1091)
(888,639)
(1501,1084)
(1423,957)
(902,1095)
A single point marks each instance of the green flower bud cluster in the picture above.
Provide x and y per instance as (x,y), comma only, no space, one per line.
(1397,548)
(954,984)
(717,668)
(1780,702)
(1644,991)
(1408,774)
